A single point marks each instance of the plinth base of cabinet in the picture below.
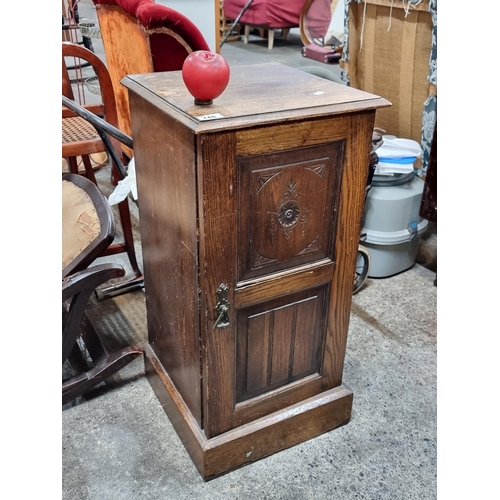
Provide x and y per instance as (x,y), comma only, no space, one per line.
(255,440)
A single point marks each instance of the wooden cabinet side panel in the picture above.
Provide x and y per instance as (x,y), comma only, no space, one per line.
(353,189)
(166,182)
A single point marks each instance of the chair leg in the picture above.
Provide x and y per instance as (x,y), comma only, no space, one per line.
(126,222)
(285,32)
(126,246)
(91,339)
(270,40)
(128,235)
(76,291)
(89,171)
(87,163)
(72,164)
(125,159)
(246,33)
(80,384)
(71,328)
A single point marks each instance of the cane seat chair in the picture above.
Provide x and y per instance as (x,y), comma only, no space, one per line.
(87,228)
(81,139)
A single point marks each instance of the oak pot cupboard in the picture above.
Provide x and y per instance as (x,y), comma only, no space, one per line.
(250,215)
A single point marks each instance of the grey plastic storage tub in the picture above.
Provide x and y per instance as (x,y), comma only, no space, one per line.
(392,224)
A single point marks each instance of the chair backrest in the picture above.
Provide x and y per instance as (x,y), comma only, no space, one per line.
(140,36)
(107,105)
(315,19)
(88,225)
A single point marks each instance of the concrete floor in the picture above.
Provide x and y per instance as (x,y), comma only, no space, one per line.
(118,444)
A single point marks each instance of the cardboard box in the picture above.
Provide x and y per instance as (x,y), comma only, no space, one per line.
(388,54)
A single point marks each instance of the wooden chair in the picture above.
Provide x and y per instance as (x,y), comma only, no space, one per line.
(141,36)
(81,139)
(88,227)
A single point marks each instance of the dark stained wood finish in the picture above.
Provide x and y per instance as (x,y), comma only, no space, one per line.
(263,288)
(266,201)
(359,134)
(287,207)
(279,342)
(256,94)
(225,239)
(218,254)
(247,443)
(168,225)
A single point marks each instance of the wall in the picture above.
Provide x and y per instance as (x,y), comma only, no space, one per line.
(200,12)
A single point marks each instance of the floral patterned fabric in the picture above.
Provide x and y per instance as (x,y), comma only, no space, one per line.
(430,105)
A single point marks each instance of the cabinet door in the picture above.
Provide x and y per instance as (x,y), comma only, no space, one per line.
(267,234)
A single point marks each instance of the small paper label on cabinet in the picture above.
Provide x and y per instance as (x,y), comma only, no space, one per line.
(213,116)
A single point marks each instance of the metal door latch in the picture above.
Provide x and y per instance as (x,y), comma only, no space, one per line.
(222,307)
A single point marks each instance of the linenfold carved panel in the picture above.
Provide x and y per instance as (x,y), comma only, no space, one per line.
(279,342)
(287,211)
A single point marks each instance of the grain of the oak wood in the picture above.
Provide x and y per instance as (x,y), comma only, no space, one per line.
(218,223)
(258,439)
(278,431)
(287,206)
(169,242)
(261,289)
(257,93)
(351,206)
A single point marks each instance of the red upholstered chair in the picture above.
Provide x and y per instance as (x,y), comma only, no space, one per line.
(266,14)
(140,36)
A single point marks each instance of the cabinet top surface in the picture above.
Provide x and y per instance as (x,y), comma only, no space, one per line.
(256,93)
